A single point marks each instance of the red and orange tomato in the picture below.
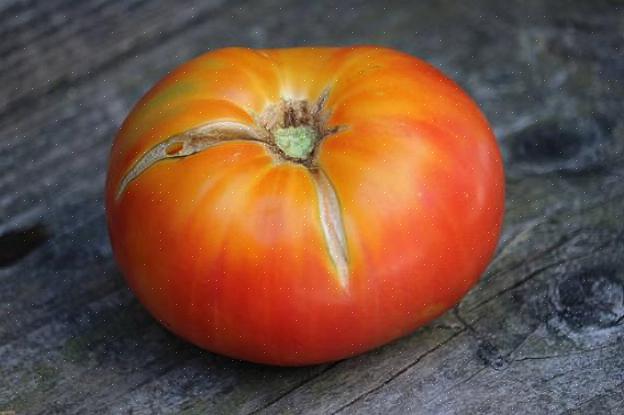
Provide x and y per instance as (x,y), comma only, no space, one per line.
(298,206)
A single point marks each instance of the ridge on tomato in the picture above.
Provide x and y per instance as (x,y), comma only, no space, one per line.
(298,206)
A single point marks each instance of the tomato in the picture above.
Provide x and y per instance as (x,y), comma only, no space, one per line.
(298,206)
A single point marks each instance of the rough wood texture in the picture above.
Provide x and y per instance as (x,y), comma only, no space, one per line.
(542,332)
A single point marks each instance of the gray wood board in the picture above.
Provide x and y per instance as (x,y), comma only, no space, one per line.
(541,333)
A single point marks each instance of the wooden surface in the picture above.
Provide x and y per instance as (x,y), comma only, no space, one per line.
(541,333)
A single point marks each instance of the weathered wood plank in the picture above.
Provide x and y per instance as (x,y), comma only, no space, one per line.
(59,42)
(541,332)
(611,403)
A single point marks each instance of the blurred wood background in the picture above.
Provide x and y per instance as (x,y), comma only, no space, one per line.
(541,333)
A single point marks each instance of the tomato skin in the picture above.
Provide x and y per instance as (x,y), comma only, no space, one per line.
(226,247)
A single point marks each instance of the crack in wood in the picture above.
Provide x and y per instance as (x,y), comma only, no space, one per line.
(463,321)
(170,366)
(488,352)
(25,102)
(517,284)
(297,386)
(562,241)
(536,272)
(563,355)
(578,407)
(398,373)
(163,363)
(519,345)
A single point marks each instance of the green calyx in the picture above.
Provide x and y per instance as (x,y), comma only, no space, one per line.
(296,142)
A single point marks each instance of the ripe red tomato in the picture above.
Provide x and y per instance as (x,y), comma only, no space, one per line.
(297,206)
